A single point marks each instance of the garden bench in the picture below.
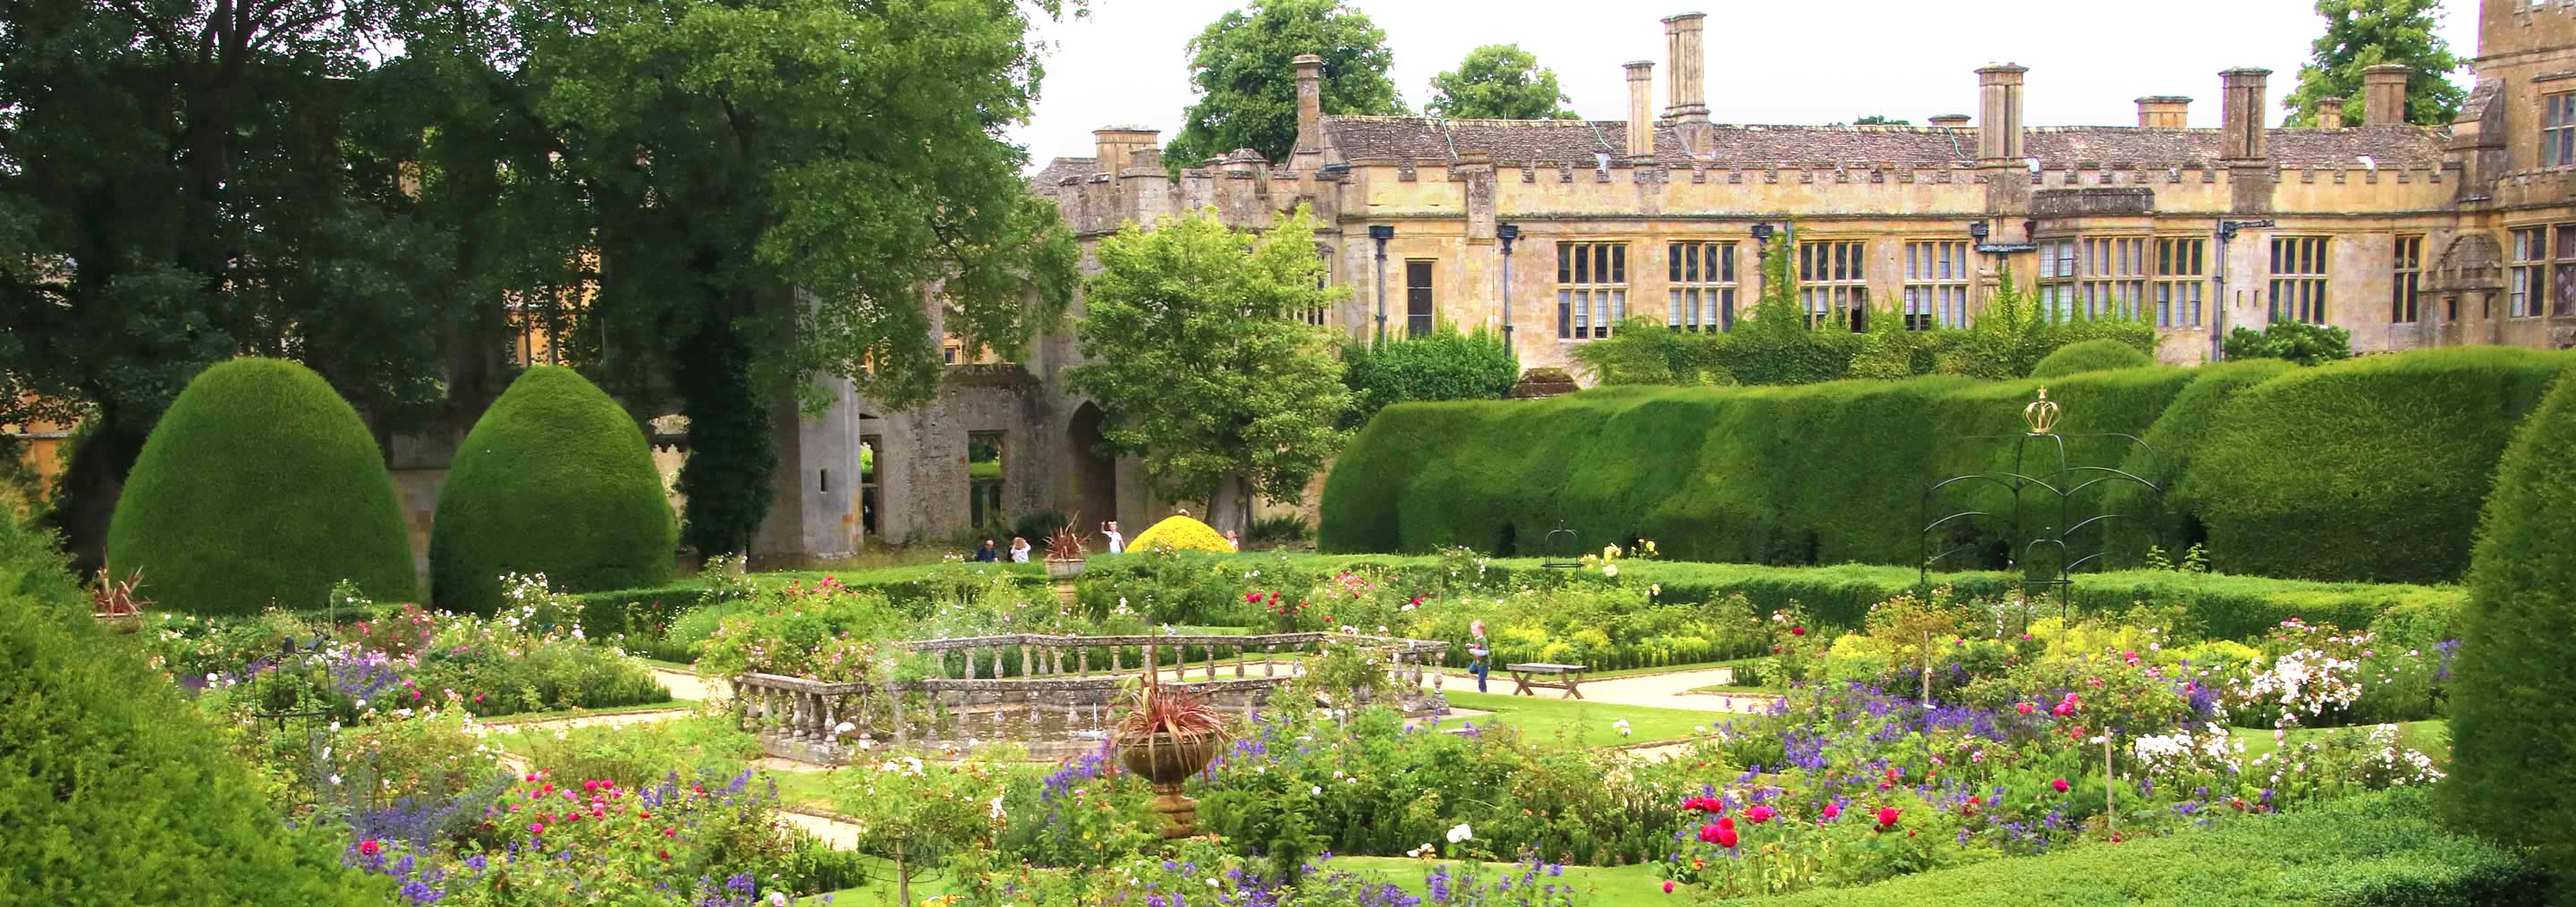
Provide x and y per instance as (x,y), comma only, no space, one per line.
(1570,678)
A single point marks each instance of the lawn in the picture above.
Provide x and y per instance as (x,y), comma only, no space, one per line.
(1585,724)
(2432,737)
(1621,886)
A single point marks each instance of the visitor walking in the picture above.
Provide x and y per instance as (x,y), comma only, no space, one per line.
(986,554)
(1019,550)
(1479,652)
(1117,543)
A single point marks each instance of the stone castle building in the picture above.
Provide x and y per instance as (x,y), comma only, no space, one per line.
(1553,232)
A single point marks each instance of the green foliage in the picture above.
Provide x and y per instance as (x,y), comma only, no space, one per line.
(1280,529)
(554,479)
(2364,33)
(2295,341)
(2090,356)
(1498,82)
(2371,469)
(1206,376)
(1441,365)
(1247,93)
(1701,470)
(112,789)
(2514,737)
(2164,457)
(1640,350)
(260,486)
(725,479)
(2376,850)
(1879,120)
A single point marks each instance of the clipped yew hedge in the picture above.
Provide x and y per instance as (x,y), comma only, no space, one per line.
(2371,469)
(2090,356)
(554,479)
(259,485)
(2513,731)
(1797,475)
(113,790)
(2367,470)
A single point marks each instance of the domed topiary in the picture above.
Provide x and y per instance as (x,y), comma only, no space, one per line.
(1180,533)
(2090,356)
(113,791)
(258,486)
(2513,735)
(556,479)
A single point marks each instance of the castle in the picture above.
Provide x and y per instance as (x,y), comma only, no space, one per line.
(1553,232)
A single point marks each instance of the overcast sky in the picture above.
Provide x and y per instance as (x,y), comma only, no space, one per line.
(1806,61)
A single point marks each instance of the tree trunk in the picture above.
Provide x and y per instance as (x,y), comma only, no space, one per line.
(1230,506)
(85,494)
(902,877)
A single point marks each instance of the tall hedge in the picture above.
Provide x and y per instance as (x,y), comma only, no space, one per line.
(2513,709)
(259,485)
(1812,474)
(2371,469)
(554,479)
(2164,457)
(2090,356)
(112,790)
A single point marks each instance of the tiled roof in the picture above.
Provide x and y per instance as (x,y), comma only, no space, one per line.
(1575,142)
(1047,178)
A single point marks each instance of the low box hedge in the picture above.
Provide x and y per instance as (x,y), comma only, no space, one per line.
(2377,850)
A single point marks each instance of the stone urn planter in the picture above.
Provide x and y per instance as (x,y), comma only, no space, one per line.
(1167,762)
(1064,569)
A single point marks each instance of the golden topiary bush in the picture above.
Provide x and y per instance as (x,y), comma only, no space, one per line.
(1181,533)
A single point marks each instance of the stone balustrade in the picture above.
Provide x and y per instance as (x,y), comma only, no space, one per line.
(1047,691)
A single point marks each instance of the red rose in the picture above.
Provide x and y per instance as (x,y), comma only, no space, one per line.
(1726,838)
(1887,816)
(2059,785)
(370,848)
(1726,824)
(1760,814)
(1797,631)
(1833,811)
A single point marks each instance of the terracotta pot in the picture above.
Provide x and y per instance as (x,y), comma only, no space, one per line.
(1168,762)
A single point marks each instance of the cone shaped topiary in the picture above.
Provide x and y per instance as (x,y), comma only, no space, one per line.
(1180,533)
(113,790)
(2513,732)
(2090,356)
(259,486)
(554,479)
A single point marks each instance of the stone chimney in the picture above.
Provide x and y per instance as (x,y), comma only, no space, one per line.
(1117,146)
(1641,111)
(1310,104)
(1999,114)
(2383,94)
(2242,137)
(1689,110)
(1950,121)
(2330,113)
(2164,111)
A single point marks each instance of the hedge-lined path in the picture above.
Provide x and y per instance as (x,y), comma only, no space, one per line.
(688,685)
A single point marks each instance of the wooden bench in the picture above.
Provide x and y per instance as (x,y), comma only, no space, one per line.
(1568,678)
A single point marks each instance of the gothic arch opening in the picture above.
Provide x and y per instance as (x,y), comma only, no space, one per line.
(1095,471)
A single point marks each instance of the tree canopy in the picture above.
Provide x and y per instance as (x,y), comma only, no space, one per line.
(1498,82)
(2364,33)
(1206,373)
(391,192)
(1247,89)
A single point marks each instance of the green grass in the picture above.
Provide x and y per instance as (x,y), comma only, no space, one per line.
(1590,676)
(1604,886)
(522,717)
(1576,722)
(2432,737)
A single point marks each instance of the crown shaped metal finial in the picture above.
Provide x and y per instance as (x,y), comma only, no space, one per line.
(2041,414)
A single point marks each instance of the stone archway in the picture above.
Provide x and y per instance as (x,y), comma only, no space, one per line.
(1095,470)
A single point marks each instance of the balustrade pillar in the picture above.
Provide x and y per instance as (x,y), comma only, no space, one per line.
(1269,660)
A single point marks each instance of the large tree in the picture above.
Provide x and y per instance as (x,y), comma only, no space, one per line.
(179,184)
(1206,372)
(795,189)
(1498,82)
(1247,88)
(2365,33)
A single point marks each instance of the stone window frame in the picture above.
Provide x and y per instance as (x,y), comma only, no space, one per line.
(1322,315)
(2526,270)
(2558,129)
(1938,275)
(2114,273)
(2056,277)
(1700,299)
(1833,276)
(2181,287)
(2406,279)
(1603,296)
(1421,325)
(2300,286)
